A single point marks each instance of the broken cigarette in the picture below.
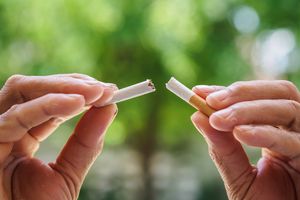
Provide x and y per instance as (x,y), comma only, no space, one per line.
(189,96)
(132,92)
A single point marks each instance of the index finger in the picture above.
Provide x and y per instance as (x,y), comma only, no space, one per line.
(18,120)
(19,89)
(253,90)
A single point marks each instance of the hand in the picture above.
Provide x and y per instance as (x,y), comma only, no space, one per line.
(31,109)
(264,114)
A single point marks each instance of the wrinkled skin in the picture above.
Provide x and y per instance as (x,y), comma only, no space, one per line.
(264,114)
(31,109)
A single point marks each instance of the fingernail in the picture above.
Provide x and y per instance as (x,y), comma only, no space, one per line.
(75,96)
(200,130)
(205,88)
(57,120)
(114,87)
(109,91)
(244,128)
(110,85)
(223,120)
(225,114)
(116,112)
(240,132)
(220,95)
(193,118)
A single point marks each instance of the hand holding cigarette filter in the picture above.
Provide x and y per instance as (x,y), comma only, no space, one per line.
(132,91)
(189,96)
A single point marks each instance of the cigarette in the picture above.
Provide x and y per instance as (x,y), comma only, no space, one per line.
(132,91)
(189,96)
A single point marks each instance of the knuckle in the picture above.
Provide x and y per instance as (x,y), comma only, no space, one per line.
(5,117)
(294,105)
(272,145)
(235,115)
(11,112)
(234,110)
(14,79)
(71,178)
(47,111)
(51,104)
(238,87)
(214,156)
(295,108)
(294,122)
(291,88)
(220,160)
(12,89)
(15,114)
(238,187)
(57,121)
(14,108)
(237,83)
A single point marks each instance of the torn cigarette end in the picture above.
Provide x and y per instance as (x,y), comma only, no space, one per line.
(132,91)
(189,96)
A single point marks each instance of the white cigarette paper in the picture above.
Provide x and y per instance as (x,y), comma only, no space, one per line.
(188,96)
(180,90)
(133,91)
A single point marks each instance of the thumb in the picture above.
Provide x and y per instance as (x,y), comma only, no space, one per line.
(84,145)
(227,154)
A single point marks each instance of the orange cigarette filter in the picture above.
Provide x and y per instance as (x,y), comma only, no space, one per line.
(189,96)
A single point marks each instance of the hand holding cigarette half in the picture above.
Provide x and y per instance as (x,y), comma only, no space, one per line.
(263,114)
(31,108)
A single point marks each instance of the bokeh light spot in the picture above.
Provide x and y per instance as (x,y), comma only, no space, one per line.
(246,20)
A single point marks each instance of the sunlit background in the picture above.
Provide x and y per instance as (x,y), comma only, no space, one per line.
(152,150)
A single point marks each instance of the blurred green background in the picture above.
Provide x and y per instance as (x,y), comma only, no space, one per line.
(152,150)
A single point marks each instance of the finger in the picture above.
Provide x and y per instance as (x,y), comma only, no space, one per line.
(17,121)
(280,141)
(84,145)
(19,89)
(204,90)
(85,78)
(253,90)
(42,131)
(272,112)
(26,146)
(5,150)
(106,97)
(29,144)
(226,152)
(78,76)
